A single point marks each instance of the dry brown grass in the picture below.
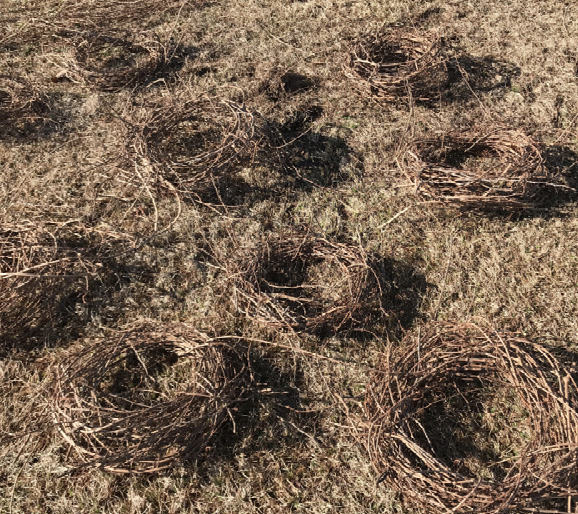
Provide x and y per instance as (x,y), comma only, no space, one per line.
(449,372)
(509,65)
(49,21)
(147,397)
(120,14)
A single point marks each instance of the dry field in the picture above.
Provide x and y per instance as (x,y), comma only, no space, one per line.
(288,256)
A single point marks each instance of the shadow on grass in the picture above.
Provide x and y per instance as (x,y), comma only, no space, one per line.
(297,160)
(281,86)
(405,299)
(468,76)
(275,417)
(36,121)
(312,159)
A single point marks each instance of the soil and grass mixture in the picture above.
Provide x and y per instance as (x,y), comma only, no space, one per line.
(288,256)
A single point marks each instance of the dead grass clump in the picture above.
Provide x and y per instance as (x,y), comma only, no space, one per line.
(467,419)
(21,107)
(123,14)
(33,26)
(305,283)
(142,399)
(192,144)
(484,169)
(110,63)
(396,63)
